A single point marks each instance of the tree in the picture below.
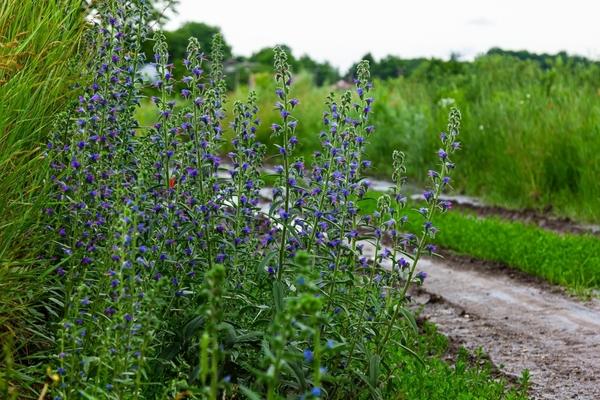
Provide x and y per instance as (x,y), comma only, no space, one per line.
(265,56)
(177,40)
(322,72)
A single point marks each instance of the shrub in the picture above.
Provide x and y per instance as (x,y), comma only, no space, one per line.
(175,279)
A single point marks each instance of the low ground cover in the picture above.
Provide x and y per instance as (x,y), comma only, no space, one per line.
(571,260)
(466,376)
(565,259)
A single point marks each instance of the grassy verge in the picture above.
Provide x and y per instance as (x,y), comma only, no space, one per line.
(564,259)
(465,378)
(39,42)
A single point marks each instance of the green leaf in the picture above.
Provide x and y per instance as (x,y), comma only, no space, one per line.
(296,368)
(193,326)
(409,316)
(278,295)
(260,268)
(250,394)
(374,369)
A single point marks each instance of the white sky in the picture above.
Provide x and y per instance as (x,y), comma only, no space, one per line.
(342,31)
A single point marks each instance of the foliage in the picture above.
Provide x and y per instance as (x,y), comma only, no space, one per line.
(38,42)
(532,134)
(177,40)
(173,280)
(468,378)
(546,61)
(528,248)
(321,73)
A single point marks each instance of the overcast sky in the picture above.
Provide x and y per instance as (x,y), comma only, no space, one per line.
(341,31)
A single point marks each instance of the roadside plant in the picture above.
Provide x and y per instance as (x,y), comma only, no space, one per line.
(181,275)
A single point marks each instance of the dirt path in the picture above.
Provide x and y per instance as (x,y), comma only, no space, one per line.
(519,325)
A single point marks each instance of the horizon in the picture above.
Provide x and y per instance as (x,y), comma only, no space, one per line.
(466,27)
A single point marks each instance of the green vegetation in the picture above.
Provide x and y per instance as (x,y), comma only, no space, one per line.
(38,44)
(531,136)
(435,379)
(531,139)
(564,259)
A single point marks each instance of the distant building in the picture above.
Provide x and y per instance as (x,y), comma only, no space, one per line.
(343,85)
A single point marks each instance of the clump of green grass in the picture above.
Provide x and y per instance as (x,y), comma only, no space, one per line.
(569,260)
(38,43)
(564,259)
(468,377)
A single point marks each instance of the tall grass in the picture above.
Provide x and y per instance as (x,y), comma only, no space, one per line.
(38,43)
(531,136)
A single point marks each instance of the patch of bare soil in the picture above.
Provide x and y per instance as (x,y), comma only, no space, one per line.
(519,323)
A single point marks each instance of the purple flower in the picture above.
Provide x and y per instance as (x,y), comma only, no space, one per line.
(283,214)
(402,263)
(308,355)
